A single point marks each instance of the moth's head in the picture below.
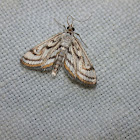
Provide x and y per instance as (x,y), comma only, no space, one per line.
(70,28)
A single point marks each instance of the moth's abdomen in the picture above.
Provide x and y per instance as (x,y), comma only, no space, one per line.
(58,62)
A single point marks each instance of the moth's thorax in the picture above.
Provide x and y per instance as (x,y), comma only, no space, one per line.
(66,39)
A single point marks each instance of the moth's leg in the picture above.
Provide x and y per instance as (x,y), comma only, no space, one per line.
(81,39)
(60,24)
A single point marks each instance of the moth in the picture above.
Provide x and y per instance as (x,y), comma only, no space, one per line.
(63,49)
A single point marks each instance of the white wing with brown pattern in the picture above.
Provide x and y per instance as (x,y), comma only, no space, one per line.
(78,65)
(43,55)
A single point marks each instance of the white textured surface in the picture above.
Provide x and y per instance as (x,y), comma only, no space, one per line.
(34,106)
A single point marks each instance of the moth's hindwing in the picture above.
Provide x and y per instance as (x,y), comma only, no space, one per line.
(43,55)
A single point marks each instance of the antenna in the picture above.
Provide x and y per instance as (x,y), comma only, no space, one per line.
(59,23)
(76,19)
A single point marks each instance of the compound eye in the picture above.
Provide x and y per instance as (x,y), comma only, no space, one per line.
(73,29)
(68,27)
